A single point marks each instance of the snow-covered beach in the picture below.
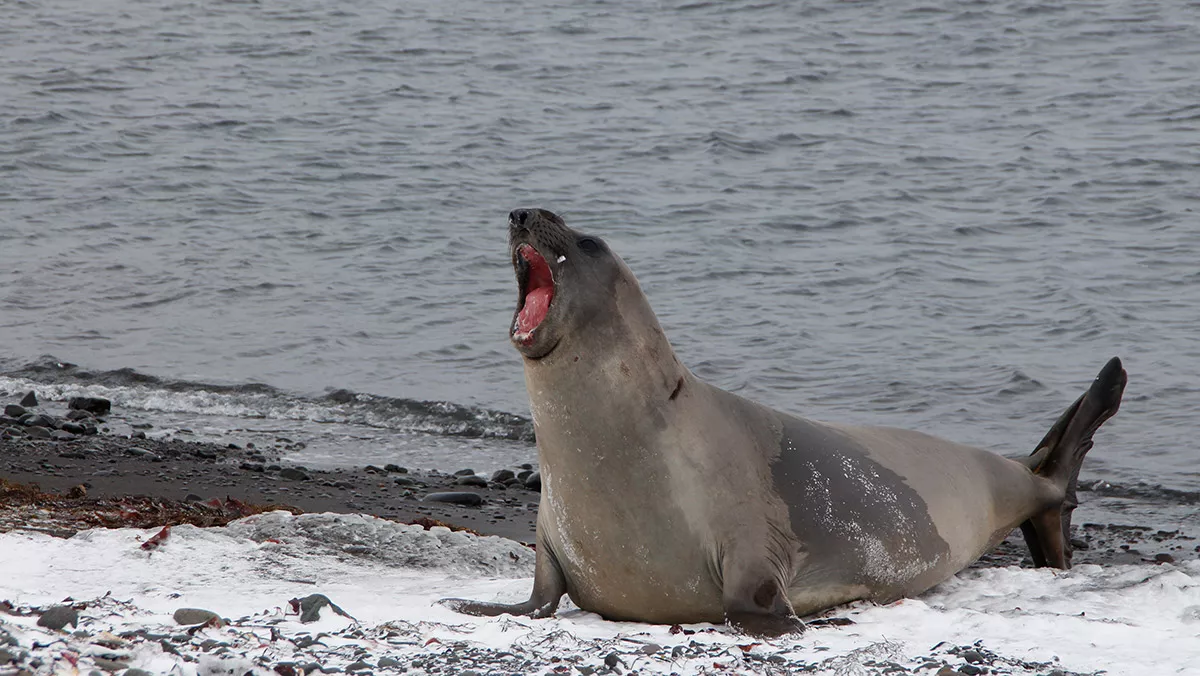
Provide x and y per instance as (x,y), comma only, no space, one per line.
(387,577)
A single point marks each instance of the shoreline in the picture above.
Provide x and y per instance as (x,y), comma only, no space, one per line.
(112,480)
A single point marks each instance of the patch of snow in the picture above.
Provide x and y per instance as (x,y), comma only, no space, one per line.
(1118,619)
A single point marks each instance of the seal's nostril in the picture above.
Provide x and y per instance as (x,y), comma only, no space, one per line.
(518,216)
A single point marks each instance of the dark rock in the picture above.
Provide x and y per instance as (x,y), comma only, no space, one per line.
(40,420)
(134,671)
(204,454)
(357,666)
(372,469)
(29,400)
(138,435)
(310,607)
(972,656)
(525,466)
(60,435)
(1164,558)
(472,480)
(456,498)
(464,472)
(534,481)
(192,497)
(38,432)
(196,616)
(79,415)
(403,481)
(294,474)
(253,467)
(396,468)
(14,411)
(947,671)
(524,474)
(58,617)
(503,475)
(5,420)
(385,662)
(971,670)
(97,405)
(74,428)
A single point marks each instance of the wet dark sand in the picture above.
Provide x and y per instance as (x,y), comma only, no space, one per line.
(177,475)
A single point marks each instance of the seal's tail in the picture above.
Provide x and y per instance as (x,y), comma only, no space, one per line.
(1058,458)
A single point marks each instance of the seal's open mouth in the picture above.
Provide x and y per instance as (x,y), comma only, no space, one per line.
(537,290)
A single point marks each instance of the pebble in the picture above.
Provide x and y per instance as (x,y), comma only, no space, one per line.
(97,405)
(60,435)
(385,662)
(38,432)
(456,498)
(195,616)
(40,420)
(253,466)
(534,481)
(1164,558)
(396,468)
(311,605)
(14,411)
(58,617)
(464,472)
(972,656)
(403,481)
(502,475)
(29,400)
(74,428)
(472,480)
(293,474)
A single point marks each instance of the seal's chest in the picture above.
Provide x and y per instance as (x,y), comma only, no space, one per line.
(625,563)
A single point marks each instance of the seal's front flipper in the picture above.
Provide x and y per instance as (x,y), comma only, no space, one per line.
(1058,458)
(761,609)
(549,585)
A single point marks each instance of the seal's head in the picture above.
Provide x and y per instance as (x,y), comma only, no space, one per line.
(565,279)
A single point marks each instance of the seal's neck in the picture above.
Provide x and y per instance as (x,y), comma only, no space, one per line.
(603,391)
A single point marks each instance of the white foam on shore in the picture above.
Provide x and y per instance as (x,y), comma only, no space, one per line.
(1118,619)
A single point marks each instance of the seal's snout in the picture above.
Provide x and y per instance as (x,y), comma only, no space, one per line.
(518,217)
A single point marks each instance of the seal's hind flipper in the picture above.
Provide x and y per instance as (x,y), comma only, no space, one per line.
(1058,458)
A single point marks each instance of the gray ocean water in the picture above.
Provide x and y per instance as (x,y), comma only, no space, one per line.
(931,214)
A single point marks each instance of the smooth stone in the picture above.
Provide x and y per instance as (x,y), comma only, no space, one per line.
(38,432)
(97,405)
(456,498)
(396,468)
(293,474)
(79,415)
(58,617)
(464,472)
(14,411)
(74,428)
(1164,558)
(60,435)
(40,420)
(502,475)
(403,481)
(29,400)
(385,662)
(524,474)
(472,480)
(139,452)
(195,616)
(534,481)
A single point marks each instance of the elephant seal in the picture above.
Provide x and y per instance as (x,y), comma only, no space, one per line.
(667,500)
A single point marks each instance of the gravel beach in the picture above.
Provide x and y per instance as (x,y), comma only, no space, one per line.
(68,482)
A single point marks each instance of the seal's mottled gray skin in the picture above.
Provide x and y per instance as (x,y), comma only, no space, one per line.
(668,500)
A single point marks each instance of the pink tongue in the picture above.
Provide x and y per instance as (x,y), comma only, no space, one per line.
(537,302)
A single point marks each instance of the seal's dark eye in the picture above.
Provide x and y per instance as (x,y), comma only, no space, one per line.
(589,245)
